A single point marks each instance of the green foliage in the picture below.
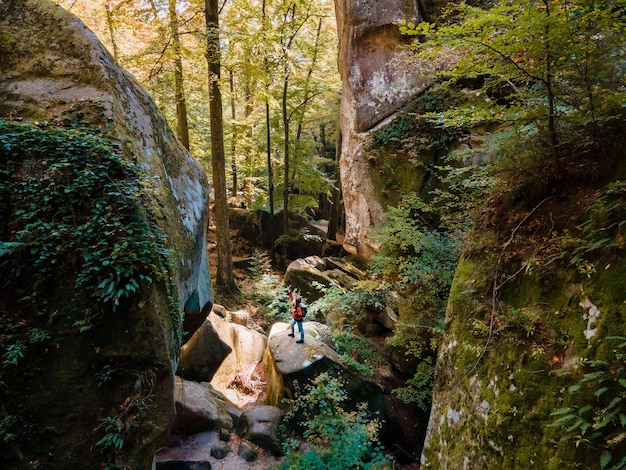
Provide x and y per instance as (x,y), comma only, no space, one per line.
(547,63)
(72,203)
(120,431)
(417,258)
(264,289)
(280,306)
(462,187)
(419,388)
(294,235)
(338,439)
(523,320)
(600,422)
(604,229)
(348,345)
(414,131)
(602,235)
(419,345)
(350,304)
(6,423)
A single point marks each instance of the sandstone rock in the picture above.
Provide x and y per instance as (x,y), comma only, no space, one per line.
(240,317)
(289,362)
(203,354)
(378,79)
(301,275)
(200,408)
(348,268)
(220,311)
(248,452)
(54,71)
(248,346)
(260,425)
(387,318)
(220,450)
(341,277)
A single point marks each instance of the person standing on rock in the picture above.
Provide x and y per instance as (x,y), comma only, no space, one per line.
(296,315)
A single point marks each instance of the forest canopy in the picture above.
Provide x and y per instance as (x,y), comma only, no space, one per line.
(271,51)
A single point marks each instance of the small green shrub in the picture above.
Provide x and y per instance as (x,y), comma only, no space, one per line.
(348,306)
(418,259)
(338,439)
(347,344)
(6,424)
(264,289)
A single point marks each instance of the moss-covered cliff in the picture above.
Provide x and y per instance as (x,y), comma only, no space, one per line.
(537,297)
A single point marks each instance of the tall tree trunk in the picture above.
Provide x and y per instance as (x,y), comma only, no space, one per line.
(270,172)
(225,279)
(249,166)
(233,148)
(306,98)
(552,130)
(182,130)
(286,175)
(270,177)
(111,26)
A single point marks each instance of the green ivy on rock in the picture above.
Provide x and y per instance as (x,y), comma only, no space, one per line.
(73,208)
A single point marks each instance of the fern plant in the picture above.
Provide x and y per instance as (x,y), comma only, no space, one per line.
(601,422)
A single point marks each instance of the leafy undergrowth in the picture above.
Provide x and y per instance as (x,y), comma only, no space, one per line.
(78,239)
(337,438)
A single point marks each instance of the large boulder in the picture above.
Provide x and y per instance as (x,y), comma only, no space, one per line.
(239,368)
(199,408)
(494,393)
(91,361)
(255,226)
(290,363)
(378,79)
(203,354)
(303,274)
(260,426)
(311,275)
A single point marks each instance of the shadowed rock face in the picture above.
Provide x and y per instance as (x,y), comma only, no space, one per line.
(54,70)
(378,79)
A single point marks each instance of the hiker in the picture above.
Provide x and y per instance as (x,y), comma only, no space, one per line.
(297,315)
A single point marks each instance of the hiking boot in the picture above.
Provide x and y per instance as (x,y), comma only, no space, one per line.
(290,334)
(300,341)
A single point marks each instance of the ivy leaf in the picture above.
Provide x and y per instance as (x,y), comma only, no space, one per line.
(605,459)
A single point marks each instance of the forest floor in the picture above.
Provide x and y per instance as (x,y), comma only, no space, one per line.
(249,389)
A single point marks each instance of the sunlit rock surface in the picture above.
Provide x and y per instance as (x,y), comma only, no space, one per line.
(378,78)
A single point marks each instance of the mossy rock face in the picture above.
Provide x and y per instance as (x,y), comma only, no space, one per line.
(500,374)
(95,270)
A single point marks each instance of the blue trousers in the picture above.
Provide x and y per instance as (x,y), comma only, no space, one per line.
(300,328)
